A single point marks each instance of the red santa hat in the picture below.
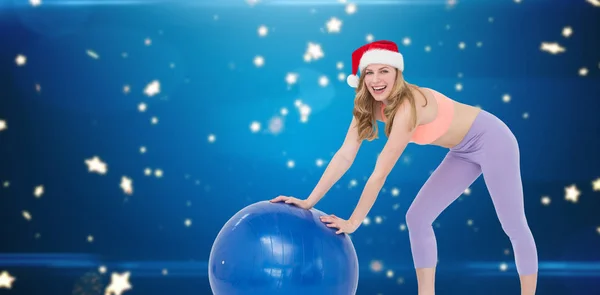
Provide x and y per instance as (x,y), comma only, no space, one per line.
(378,52)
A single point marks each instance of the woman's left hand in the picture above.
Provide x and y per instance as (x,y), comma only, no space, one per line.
(343,226)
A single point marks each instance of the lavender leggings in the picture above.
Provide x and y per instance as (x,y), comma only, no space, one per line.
(489,148)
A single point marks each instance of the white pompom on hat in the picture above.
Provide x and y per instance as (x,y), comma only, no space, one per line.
(378,52)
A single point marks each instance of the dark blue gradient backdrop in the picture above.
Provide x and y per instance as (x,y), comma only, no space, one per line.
(168,96)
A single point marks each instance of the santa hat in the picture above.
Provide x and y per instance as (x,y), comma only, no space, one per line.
(378,52)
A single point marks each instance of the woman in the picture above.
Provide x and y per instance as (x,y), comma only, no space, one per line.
(478,143)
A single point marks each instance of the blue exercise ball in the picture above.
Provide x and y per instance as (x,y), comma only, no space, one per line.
(277,248)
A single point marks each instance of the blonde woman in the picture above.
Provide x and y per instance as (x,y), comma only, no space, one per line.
(478,143)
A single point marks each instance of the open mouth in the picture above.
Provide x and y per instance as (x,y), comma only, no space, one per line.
(379,89)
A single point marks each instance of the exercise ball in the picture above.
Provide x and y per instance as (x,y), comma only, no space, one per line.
(277,248)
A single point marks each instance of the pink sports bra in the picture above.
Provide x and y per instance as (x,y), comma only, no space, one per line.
(428,133)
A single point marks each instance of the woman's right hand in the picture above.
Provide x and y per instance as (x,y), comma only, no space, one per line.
(291,200)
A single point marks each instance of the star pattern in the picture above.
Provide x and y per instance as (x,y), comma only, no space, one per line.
(315,52)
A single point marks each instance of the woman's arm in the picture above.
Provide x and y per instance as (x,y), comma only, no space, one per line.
(397,142)
(339,164)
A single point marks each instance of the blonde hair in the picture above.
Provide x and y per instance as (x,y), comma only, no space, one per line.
(364,107)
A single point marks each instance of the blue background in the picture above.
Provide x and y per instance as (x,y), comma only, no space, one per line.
(80,111)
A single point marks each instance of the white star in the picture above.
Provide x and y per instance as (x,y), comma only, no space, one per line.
(313,52)
(594,2)
(567,32)
(153,88)
(572,194)
(291,78)
(263,31)
(553,48)
(546,200)
(319,162)
(92,54)
(20,60)
(259,61)
(596,184)
(255,126)
(351,8)
(305,111)
(118,284)
(6,280)
(38,191)
(96,165)
(334,25)
(275,125)
(323,81)
(126,185)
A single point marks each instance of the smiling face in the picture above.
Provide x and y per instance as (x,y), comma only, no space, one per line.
(380,79)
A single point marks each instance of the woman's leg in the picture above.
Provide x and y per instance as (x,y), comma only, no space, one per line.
(445,185)
(501,171)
